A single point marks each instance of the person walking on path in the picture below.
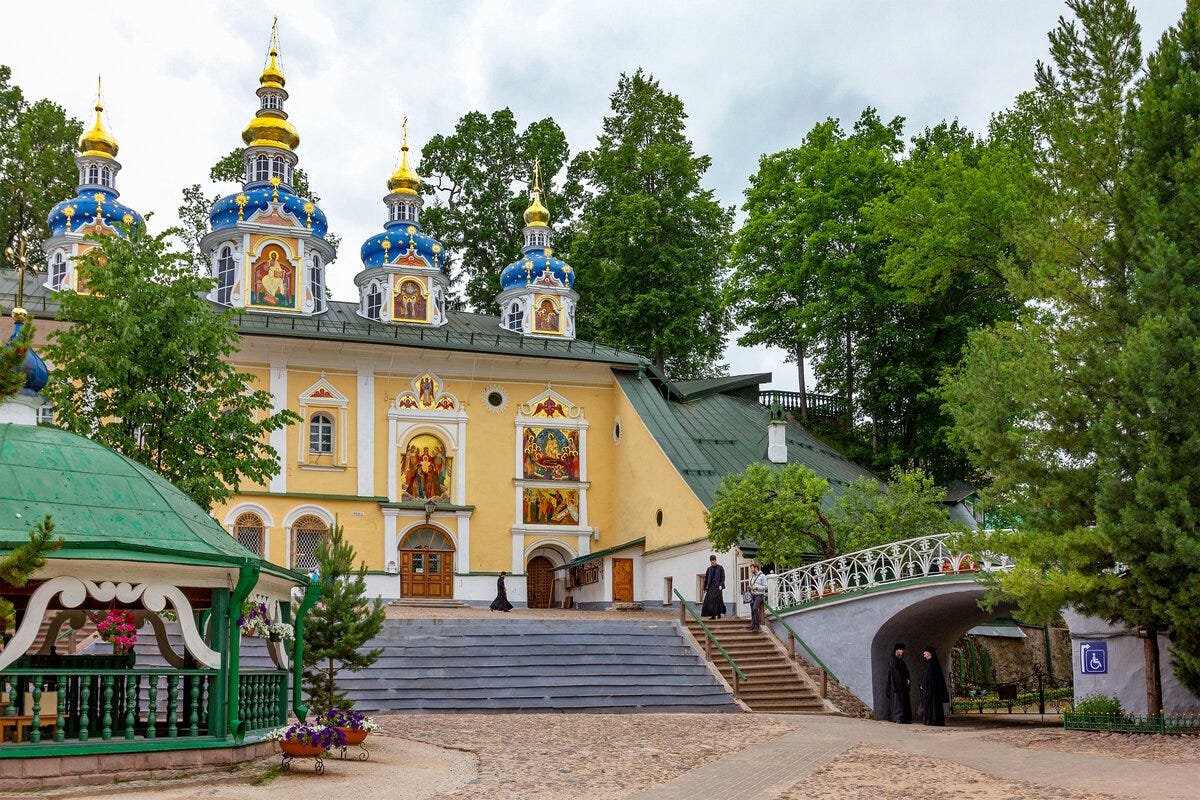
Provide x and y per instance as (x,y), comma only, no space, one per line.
(757,589)
(501,602)
(714,588)
(934,694)
(899,688)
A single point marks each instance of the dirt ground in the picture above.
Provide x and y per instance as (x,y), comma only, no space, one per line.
(1134,746)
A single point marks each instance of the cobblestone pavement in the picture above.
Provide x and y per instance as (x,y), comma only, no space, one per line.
(584,756)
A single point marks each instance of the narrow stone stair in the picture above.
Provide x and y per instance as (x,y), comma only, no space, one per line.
(773,683)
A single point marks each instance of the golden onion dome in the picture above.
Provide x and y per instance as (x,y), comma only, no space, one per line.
(270,131)
(98,141)
(537,214)
(272,76)
(405,180)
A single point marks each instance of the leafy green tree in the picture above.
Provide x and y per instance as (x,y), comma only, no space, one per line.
(143,369)
(652,245)
(777,509)
(12,358)
(907,506)
(37,143)
(478,177)
(339,625)
(1083,410)
(17,567)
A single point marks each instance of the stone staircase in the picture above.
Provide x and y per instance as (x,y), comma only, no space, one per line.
(774,684)
(536,665)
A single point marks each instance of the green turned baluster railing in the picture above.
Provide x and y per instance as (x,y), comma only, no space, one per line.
(152,709)
(85,697)
(106,731)
(12,700)
(60,732)
(172,708)
(131,691)
(35,733)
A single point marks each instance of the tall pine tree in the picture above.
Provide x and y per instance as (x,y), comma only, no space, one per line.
(339,624)
(652,245)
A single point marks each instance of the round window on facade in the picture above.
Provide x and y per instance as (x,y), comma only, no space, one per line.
(658,518)
(495,399)
(617,431)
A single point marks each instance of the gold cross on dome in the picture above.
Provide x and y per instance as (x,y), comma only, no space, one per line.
(18,257)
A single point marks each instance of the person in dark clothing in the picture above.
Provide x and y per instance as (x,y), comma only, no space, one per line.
(899,687)
(934,694)
(501,602)
(714,586)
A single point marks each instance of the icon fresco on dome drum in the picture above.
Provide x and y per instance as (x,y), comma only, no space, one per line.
(273,280)
(425,469)
(427,394)
(410,300)
(547,318)
(551,506)
(551,454)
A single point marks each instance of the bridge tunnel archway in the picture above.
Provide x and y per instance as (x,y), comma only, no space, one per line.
(938,620)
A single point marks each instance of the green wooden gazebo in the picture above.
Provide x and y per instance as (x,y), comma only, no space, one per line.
(135,543)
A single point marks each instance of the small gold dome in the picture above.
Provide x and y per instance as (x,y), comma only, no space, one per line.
(537,214)
(98,141)
(272,76)
(405,180)
(267,131)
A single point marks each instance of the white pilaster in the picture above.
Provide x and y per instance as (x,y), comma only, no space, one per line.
(462,555)
(365,453)
(392,478)
(518,552)
(279,436)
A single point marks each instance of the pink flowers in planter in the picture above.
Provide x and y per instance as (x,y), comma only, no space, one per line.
(116,626)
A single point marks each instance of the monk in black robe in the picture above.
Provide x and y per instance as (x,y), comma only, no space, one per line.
(501,602)
(714,585)
(899,688)
(934,694)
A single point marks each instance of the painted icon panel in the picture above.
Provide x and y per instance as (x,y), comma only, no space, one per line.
(551,454)
(425,469)
(410,300)
(273,280)
(546,317)
(551,506)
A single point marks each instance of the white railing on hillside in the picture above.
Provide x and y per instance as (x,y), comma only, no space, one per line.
(922,557)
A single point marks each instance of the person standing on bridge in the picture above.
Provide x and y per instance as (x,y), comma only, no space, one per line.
(899,688)
(714,587)
(934,694)
(757,589)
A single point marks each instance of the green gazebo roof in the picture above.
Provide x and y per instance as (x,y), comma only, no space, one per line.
(104,505)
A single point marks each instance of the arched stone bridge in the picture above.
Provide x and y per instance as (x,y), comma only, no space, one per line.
(852,609)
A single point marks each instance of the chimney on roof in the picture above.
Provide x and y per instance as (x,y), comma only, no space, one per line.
(777,435)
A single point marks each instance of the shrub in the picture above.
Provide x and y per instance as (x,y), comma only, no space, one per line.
(1098,704)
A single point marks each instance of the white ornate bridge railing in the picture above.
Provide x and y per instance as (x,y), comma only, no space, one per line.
(898,562)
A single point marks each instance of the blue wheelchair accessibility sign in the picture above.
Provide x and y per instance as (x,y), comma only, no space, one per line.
(1093,658)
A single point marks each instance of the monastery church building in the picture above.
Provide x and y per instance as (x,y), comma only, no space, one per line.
(450,445)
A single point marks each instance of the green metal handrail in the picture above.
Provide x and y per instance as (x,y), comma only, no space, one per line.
(803,644)
(737,672)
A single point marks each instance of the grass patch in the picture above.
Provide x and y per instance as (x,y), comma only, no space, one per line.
(269,774)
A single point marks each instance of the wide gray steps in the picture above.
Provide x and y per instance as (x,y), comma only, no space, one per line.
(505,665)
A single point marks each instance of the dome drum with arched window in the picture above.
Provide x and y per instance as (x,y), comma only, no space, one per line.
(403,279)
(537,291)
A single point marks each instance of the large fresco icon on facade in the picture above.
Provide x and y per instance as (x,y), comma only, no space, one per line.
(551,507)
(410,300)
(425,469)
(427,394)
(546,317)
(273,280)
(551,454)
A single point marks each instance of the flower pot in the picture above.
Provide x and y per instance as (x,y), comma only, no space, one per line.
(353,736)
(299,749)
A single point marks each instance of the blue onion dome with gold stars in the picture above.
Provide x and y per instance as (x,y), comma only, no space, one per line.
(37,375)
(537,263)
(270,159)
(402,237)
(96,195)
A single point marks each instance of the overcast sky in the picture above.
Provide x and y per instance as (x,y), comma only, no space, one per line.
(179,80)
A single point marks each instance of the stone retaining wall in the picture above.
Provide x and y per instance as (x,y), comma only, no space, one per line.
(106,768)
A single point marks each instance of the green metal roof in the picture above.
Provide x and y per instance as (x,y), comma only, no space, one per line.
(104,505)
(693,390)
(718,434)
(464,331)
(600,554)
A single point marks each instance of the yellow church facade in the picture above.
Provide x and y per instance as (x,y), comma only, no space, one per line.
(449,445)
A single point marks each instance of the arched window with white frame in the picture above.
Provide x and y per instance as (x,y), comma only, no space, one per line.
(250,531)
(316,279)
(374,301)
(516,317)
(309,534)
(320,434)
(262,168)
(225,272)
(93,173)
(58,271)
(277,168)
(106,176)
